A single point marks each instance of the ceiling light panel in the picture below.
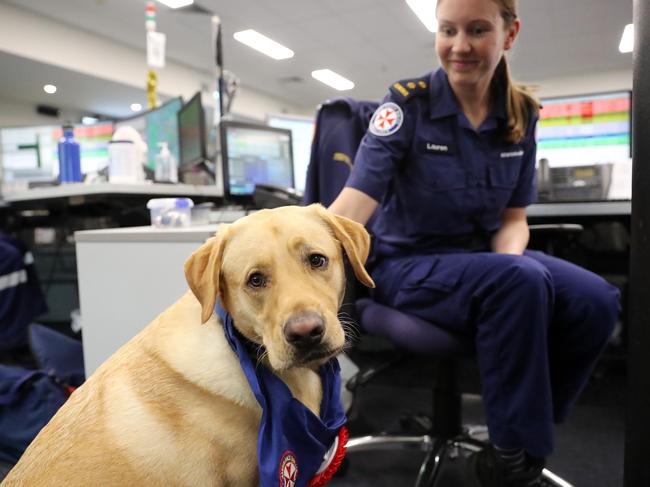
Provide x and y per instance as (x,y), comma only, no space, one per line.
(627,39)
(263,44)
(426,12)
(176,3)
(330,78)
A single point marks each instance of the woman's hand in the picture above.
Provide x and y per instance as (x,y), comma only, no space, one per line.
(513,236)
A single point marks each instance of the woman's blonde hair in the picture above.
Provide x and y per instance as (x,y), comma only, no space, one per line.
(521,104)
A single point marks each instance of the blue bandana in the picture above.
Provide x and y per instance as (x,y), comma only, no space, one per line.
(292,442)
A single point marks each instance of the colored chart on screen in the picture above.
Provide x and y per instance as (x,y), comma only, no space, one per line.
(585,130)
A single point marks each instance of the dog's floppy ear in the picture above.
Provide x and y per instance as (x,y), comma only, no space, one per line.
(202,271)
(355,240)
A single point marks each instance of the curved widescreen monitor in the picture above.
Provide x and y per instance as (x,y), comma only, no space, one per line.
(255,154)
(157,125)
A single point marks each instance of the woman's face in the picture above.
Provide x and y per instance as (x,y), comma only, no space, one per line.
(471,39)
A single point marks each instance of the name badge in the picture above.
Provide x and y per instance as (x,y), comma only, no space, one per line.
(514,153)
(438,148)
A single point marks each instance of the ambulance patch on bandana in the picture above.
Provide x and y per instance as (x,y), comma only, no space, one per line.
(387,120)
(288,470)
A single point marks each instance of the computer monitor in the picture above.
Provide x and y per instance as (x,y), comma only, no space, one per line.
(255,154)
(585,130)
(191,131)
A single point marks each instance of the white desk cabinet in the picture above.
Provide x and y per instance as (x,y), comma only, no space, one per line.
(127,276)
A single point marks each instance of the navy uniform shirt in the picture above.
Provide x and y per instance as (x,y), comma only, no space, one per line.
(435,175)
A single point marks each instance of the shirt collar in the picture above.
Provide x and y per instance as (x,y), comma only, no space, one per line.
(443,102)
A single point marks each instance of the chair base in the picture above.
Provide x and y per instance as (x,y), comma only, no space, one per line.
(437,451)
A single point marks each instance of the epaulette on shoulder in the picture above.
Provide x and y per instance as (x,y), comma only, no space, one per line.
(408,88)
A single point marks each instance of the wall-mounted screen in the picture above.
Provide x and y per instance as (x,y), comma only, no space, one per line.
(302,135)
(585,130)
(584,147)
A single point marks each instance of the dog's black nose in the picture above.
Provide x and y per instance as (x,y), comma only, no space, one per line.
(304,330)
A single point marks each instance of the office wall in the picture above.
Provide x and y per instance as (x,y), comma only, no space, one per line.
(584,84)
(257,105)
(17,113)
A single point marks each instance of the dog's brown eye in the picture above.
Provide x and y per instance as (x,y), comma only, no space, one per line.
(317,260)
(256,280)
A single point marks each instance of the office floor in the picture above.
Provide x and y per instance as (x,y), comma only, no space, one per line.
(589,447)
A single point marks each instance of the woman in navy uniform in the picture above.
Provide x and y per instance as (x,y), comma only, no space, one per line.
(448,163)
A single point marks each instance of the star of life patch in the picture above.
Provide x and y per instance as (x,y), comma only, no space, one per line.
(386,120)
(288,470)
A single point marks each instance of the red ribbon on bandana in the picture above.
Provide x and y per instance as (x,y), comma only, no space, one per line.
(326,475)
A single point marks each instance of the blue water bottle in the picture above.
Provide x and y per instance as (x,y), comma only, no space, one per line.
(69,157)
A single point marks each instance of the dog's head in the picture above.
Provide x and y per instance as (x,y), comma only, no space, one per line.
(280,274)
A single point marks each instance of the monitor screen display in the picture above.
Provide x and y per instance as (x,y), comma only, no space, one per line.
(585,130)
(302,135)
(255,154)
(31,152)
(162,126)
(191,130)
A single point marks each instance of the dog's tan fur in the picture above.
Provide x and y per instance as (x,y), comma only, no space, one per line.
(172,406)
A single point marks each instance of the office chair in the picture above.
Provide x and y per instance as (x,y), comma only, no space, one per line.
(340,126)
(446,438)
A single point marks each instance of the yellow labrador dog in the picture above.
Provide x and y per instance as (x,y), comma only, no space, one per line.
(172,407)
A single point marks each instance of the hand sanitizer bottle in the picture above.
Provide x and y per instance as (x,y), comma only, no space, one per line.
(166,168)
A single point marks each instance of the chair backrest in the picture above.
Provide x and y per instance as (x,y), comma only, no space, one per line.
(340,126)
(21,298)
(58,354)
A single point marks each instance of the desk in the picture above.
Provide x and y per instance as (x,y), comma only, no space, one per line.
(591,208)
(79,206)
(126,277)
(79,193)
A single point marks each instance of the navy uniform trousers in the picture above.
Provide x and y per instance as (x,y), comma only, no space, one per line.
(539,324)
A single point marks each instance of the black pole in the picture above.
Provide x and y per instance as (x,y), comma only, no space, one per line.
(219,64)
(637,434)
